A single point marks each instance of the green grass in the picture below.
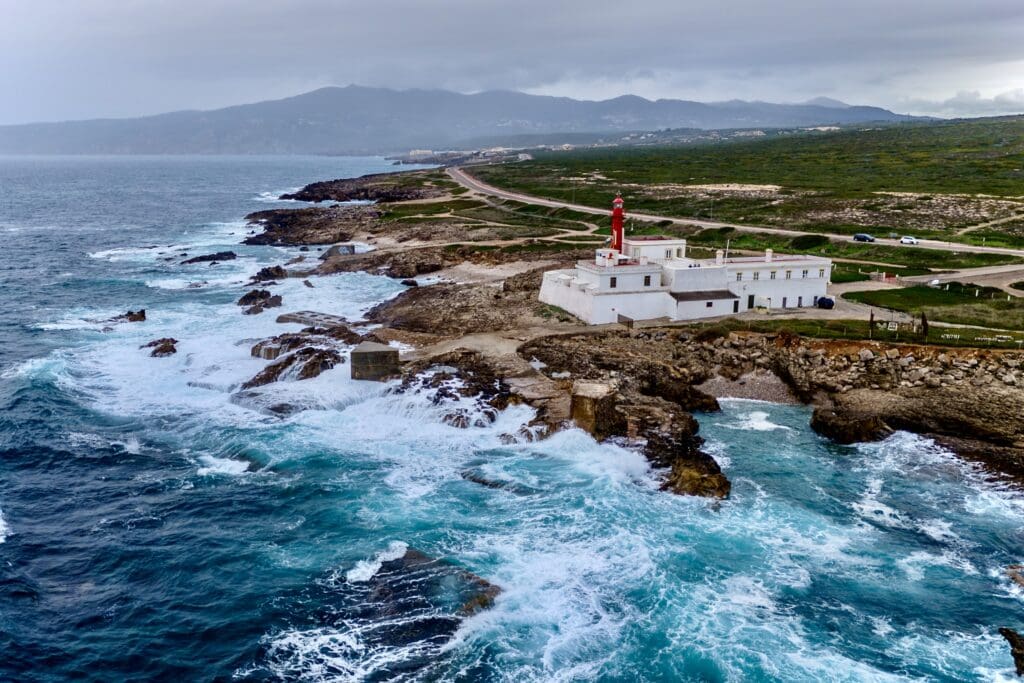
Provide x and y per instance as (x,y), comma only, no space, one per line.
(848,272)
(401,211)
(859,330)
(963,304)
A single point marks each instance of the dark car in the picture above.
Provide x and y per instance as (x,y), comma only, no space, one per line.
(825,302)
(863,237)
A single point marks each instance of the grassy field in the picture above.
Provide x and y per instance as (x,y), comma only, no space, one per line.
(963,304)
(848,181)
(920,259)
(858,330)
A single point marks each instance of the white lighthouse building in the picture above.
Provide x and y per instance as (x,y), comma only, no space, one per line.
(643,278)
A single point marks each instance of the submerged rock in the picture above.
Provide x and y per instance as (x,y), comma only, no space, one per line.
(219,256)
(162,347)
(305,363)
(130,317)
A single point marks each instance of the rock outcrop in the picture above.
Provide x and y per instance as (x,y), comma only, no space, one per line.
(212,258)
(317,225)
(258,300)
(306,363)
(269,274)
(138,316)
(162,347)
(1016,648)
(377,187)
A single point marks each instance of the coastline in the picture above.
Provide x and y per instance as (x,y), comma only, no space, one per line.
(470,293)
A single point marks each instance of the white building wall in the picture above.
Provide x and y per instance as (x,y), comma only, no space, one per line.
(692,310)
(707,278)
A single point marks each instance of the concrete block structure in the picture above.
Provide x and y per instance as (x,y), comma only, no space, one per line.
(374,361)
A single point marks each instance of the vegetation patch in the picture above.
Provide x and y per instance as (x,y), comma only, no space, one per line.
(862,330)
(955,302)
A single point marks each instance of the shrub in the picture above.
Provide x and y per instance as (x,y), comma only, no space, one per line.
(804,242)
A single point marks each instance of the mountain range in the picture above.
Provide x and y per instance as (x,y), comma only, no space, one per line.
(355,119)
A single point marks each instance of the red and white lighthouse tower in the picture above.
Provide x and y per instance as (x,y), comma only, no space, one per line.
(618,216)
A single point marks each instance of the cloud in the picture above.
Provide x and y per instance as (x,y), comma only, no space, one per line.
(71,59)
(970,103)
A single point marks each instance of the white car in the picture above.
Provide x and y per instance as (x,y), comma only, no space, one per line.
(907,239)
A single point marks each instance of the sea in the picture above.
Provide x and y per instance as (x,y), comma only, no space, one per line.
(156,523)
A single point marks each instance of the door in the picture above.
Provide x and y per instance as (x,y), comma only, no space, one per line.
(784,301)
(799,302)
(750,302)
(736,306)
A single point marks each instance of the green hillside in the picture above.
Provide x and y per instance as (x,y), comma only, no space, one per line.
(827,182)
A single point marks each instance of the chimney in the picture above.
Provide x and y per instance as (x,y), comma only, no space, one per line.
(719,257)
(768,255)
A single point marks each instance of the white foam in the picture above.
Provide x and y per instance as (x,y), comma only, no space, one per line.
(756,421)
(213,465)
(4,528)
(364,570)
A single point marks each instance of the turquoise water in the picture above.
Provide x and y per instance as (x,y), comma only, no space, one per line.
(157,525)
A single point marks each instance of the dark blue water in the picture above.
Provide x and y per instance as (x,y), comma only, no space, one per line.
(157,524)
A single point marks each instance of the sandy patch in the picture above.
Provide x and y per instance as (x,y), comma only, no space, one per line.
(477,273)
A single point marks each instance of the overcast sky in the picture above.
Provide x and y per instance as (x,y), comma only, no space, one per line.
(73,59)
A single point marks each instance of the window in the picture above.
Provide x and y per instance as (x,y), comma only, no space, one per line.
(789,274)
(668,253)
(757,274)
(771,276)
(709,304)
(679,252)
(739,276)
(647,280)
(803,274)
(821,272)
(613,282)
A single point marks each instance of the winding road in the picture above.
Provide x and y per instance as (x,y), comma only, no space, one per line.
(462,177)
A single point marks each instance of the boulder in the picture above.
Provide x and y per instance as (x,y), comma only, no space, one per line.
(409,282)
(848,427)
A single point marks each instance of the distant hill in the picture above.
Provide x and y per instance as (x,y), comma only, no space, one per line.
(373,120)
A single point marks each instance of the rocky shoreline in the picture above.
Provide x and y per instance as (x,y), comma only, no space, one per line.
(483,345)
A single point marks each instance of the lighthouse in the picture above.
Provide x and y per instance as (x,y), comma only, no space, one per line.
(618,215)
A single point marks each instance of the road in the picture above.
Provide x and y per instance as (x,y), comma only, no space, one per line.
(474,184)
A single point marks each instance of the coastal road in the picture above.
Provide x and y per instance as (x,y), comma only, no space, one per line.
(462,177)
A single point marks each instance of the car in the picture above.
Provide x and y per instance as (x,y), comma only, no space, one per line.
(907,239)
(863,237)
(825,302)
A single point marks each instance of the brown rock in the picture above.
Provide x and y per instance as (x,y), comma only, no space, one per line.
(848,427)
(161,347)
